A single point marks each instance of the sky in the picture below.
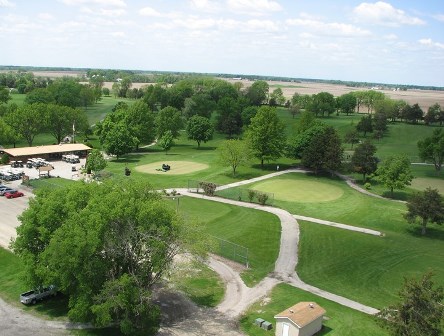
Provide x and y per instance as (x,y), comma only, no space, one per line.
(393,41)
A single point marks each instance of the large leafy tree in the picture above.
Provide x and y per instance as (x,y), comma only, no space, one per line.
(364,160)
(307,132)
(322,103)
(7,133)
(266,135)
(428,206)
(324,152)
(4,95)
(199,129)
(395,173)
(95,161)
(432,149)
(28,120)
(140,119)
(229,118)
(234,153)
(347,103)
(365,125)
(277,97)
(104,246)
(257,93)
(166,141)
(63,120)
(420,311)
(118,139)
(168,119)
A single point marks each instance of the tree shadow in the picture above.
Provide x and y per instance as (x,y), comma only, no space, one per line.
(397,195)
(431,233)
(54,307)
(206,148)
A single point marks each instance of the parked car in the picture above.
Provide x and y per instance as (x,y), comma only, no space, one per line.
(33,296)
(14,194)
(6,190)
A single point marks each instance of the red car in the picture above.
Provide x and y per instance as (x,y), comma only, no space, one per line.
(14,194)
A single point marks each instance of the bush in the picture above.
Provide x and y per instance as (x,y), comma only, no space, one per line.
(367,186)
(208,188)
(5,159)
(262,199)
(251,195)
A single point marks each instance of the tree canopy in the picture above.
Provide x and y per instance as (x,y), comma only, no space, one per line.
(364,160)
(104,246)
(432,149)
(266,135)
(234,153)
(395,173)
(428,206)
(420,311)
(95,161)
(168,119)
(199,129)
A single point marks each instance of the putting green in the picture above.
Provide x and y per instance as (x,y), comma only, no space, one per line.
(421,183)
(300,190)
(177,167)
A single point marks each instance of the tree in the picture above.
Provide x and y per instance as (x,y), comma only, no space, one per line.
(395,173)
(228,119)
(301,141)
(118,140)
(278,96)
(433,114)
(247,114)
(234,153)
(364,160)
(60,120)
(351,137)
(432,149)
(322,103)
(104,246)
(412,113)
(166,141)
(27,120)
(140,119)
(199,129)
(324,151)
(7,133)
(168,119)
(347,103)
(4,95)
(420,311)
(95,161)
(365,125)
(106,91)
(428,206)
(257,93)
(266,135)
(380,122)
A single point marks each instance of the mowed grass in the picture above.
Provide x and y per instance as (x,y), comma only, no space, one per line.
(341,321)
(177,167)
(422,183)
(364,268)
(258,231)
(289,189)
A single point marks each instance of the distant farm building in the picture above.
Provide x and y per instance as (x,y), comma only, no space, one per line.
(302,319)
(52,152)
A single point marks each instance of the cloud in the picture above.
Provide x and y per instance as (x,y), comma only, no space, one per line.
(383,13)
(205,5)
(118,34)
(112,12)
(151,12)
(253,7)
(390,37)
(6,3)
(107,3)
(430,43)
(439,17)
(45,16)
(329,28)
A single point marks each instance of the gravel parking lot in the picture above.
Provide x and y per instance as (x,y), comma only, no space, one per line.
(11,208)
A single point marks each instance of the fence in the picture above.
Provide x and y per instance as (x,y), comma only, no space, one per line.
(231,251)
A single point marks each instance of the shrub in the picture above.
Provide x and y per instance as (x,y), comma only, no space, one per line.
(367,186)
(208,188)
(5,159)
(262,199)
(251,195)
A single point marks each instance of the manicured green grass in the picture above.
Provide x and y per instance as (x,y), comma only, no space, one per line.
(341,321)
(289,189)
(421,183)
(104,106)
(186,150)
(200,283)
(364,268)
(51,183)
(259,231)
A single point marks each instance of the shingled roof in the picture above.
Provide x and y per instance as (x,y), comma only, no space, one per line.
(302,313)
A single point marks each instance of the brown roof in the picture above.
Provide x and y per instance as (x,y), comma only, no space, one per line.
(302,313)
(37,150)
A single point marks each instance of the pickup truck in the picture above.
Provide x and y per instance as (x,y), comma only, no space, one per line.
(33,296)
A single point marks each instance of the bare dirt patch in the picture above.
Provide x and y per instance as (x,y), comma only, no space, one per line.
(177,167)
